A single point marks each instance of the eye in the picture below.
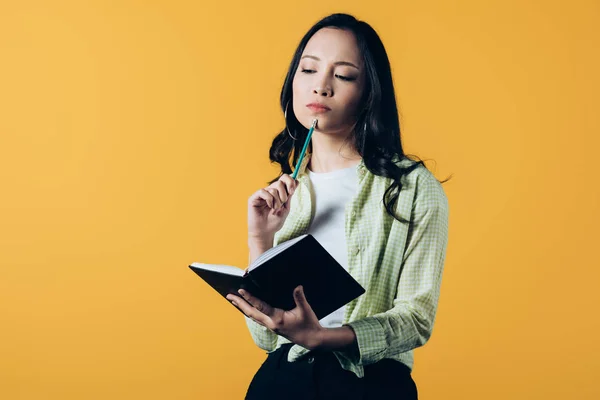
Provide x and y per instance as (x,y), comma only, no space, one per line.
(346,78)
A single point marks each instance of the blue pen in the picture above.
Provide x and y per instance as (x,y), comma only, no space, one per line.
(306,142)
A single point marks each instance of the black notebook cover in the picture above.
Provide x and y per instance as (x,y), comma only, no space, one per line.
(327,285)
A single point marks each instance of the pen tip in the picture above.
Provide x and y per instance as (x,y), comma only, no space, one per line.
(314,123)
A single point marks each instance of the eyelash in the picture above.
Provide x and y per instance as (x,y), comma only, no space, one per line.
(344,78)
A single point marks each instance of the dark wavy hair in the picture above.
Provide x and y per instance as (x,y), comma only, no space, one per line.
(377,138)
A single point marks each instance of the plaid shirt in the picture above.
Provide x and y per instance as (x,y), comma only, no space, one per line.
(399,266)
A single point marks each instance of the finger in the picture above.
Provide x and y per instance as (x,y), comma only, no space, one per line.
(248,309)
(257,303)
(277,199)
(266,196)
(300,298)
(259,199)
(282,190)
(289,182)
(291,185)
(241,303)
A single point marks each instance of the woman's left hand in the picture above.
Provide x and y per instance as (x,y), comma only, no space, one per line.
(299,325)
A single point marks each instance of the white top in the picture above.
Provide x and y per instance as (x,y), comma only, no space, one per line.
(331,192)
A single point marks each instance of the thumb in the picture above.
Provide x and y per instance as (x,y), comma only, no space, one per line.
(300,298)
(288,201)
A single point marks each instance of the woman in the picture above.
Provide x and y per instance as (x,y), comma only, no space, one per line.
(383,216)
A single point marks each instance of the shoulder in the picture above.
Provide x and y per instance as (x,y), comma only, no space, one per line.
(429,195)
(421,192)
(421,179)
(423,188)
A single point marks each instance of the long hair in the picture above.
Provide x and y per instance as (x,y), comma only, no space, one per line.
(377,133)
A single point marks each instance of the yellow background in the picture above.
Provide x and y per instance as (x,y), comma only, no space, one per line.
(133,132)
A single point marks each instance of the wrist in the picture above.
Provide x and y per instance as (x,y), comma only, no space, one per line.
(318,339)
(258,245)
(258,240)
(330,339)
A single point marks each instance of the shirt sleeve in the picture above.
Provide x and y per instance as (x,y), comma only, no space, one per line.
(408,324)
(262,336)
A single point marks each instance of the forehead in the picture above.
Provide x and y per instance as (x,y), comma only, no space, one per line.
(330,44)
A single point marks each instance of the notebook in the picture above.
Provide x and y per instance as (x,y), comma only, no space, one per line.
(274,275)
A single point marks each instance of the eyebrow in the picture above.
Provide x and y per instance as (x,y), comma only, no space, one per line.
(336,63)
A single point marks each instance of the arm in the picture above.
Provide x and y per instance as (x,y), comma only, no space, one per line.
(338,339)
(408,324)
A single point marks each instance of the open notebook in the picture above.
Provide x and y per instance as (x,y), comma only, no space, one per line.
(275,274)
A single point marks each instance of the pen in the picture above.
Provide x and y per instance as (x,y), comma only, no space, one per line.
(310,131)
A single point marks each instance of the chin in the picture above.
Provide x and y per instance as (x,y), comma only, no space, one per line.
(322,122)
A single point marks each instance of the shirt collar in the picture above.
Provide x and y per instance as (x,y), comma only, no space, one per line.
(360,168)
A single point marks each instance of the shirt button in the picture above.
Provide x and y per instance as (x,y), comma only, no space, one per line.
(311,360)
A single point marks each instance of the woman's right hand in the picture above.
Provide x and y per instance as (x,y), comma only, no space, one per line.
(269,207)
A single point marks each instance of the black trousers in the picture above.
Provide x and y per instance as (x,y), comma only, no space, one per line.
(319,376)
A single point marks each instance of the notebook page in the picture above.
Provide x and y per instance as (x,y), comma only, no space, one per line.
(224,269)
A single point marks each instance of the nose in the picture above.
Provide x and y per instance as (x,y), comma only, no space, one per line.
(323,90)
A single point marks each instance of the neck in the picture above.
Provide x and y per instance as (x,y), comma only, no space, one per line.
(330,153)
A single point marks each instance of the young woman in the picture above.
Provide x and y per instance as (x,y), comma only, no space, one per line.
(383,216)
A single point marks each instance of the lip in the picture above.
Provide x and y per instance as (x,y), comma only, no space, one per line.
(318,107)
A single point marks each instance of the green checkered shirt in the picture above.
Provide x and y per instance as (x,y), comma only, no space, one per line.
(399,266)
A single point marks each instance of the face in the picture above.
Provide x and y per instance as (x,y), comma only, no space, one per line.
(330,73)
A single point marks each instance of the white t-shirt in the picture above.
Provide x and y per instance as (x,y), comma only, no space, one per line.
(331,192)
